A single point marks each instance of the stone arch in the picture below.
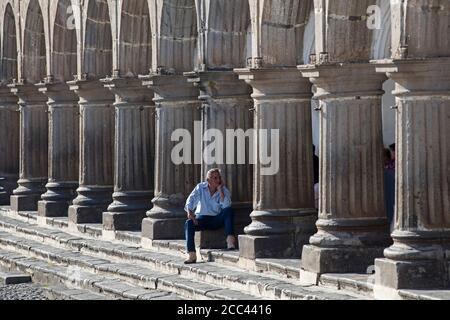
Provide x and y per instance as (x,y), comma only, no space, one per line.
(64,53)
(178,35)
(381,43)
(227,39)
(283,24)
(34,50)
(135,48)
(9,49)
(422,26)
(97,61)
(343,31)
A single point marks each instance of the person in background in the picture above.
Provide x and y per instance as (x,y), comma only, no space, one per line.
(389,181)
(316,166)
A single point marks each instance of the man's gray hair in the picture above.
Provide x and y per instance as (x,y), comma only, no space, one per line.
(210,172)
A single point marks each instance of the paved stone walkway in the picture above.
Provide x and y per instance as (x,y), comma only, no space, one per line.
(24,291)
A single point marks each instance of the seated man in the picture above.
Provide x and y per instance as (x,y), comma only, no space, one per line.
(209,208)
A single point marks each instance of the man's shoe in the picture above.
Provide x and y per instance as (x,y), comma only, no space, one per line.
(192,258)
(231,243)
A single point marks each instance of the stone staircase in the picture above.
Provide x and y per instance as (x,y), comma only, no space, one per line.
(94,268)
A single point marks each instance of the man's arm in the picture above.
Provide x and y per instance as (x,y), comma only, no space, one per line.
(192,203)
(225,197)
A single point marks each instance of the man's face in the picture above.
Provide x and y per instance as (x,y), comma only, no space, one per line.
(215,180)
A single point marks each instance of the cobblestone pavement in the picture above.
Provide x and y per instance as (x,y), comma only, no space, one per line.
(25,291)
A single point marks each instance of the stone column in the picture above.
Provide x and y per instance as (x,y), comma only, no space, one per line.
(96,152)
(63,149)
(9,144)
(419,257)
(177,108)
(284,214)
(352,225)
(33,147)
(227,105)
(134,155)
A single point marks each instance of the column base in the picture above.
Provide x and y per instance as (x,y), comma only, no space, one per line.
(4,198)
(86,214)
(416,260)
(53,209)
(163,229)
(28,194)
(274,246)
(123,221)
(127,211)
(56,201)
(166,220)
(216,239)
(318,260)
(346,245)
(25,202)
(90,204)
(418,275)
(8,183)
(277,233)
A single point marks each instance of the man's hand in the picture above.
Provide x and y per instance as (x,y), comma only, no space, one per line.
(221,185)
(193,217)
(220,189)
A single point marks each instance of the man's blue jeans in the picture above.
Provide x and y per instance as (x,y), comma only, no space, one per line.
(224,219)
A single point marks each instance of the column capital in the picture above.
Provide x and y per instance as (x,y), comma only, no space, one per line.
(417,76)
(218,84)
(57,91)
(91,90)
(8,101)
(341,80)
(276,83)
(170,87)
(128,90)
(27,92)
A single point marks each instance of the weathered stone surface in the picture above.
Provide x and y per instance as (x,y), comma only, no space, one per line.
(134,154)
(9,144)
(33,147)
(96,152)
(177,108)
(63,149)
(283,198)
(14,278)
(148,269)
(44,46)
(418,258)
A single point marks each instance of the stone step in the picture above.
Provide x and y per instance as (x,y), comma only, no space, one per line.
(58,292)
(8,278)
(224,277)
(358,283)
(288,268)
(69,282)
(109,277)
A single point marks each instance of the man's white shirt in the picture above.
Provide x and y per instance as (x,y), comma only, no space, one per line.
(203,204)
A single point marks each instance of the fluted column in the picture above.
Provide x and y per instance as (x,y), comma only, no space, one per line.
(9,144)
(177,108)
(227,106)
(134,155)
(33,147)
(63,149)
(283,200)
(419,257)
(352,225)
(96,152)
